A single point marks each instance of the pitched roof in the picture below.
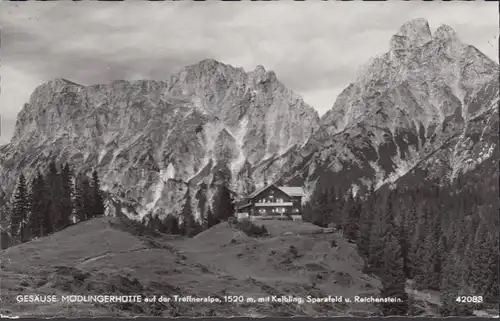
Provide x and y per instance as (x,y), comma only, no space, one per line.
(292,191)
(289,190)
(243,206)
(258,191)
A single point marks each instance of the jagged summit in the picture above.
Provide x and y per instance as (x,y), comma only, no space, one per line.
(445,32)
(58,82)
(415,32)
(207,62)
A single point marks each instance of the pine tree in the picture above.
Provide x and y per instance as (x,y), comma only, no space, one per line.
(384,220)
(55,199)
(37,206)
(452,287)
(97,199)
(223,204)
(189,225)
(171,225)
(79,201)
(202,198)
(88,199)
(433,250)
(84,205)
(351,225)
(321,214)
(393,278)
(483,254)
(20,211)
(66,198)
(365,228)
(209,219)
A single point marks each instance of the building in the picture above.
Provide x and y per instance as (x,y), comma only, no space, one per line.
(272,202)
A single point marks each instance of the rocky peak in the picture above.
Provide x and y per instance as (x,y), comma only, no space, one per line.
(414,33)
(445,33)
(260,70)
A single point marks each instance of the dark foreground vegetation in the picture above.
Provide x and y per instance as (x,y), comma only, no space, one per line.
(441,237)
(444,238)
(51,202)
(251,229)
(56,199)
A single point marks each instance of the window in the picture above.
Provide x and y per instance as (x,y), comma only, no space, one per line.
(279,200)
(262,210)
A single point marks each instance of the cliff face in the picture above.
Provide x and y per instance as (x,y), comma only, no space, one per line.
(151,140)
(429,103)
(425,109)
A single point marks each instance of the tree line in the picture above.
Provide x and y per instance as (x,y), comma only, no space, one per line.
(53,201)
(443,238)
(221,209)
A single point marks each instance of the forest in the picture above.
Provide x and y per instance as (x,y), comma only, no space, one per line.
(443,237)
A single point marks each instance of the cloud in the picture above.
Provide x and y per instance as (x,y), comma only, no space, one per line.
(315,48)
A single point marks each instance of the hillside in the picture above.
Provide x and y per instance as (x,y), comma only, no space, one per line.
(111,255)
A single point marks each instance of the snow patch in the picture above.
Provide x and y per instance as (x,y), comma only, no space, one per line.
(400,171)
(102,153)
(239,135)
(159,187)
(169,173)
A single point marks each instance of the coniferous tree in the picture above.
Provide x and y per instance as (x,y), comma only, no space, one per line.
(97,199)
(383,219)
(209,219)
(432,253)
(79,201)
(351,225)
(37,206)
(452,287)
(55,195)
(66,198)
(393,278)
(202,199)
(171,225)
(154,222)
(365,228)
(84,205)
(88,199)
(189,226)
(223,205)
(20,211)
(483,256)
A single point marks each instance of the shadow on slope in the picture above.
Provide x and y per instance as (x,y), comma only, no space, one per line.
(120,257)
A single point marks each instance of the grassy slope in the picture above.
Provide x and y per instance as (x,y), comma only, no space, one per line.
(109,255)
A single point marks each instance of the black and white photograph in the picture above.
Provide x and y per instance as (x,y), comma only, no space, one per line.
(249,159)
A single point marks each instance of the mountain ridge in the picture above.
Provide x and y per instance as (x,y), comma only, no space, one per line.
(212,122)
(208,113)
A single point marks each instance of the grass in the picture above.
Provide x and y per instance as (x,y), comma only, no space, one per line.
(111,255)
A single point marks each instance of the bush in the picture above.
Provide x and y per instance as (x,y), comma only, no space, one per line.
(250,229)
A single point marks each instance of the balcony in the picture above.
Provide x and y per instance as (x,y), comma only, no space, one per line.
(273,204)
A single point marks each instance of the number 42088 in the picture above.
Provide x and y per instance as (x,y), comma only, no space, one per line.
(469,299)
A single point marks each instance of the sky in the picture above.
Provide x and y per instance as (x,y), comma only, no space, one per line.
(315,47)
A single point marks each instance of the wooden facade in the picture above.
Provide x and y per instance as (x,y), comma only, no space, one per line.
(272,202)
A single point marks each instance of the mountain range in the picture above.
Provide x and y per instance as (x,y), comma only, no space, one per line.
(426,109)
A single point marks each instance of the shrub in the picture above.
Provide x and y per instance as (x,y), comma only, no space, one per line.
(250,229)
